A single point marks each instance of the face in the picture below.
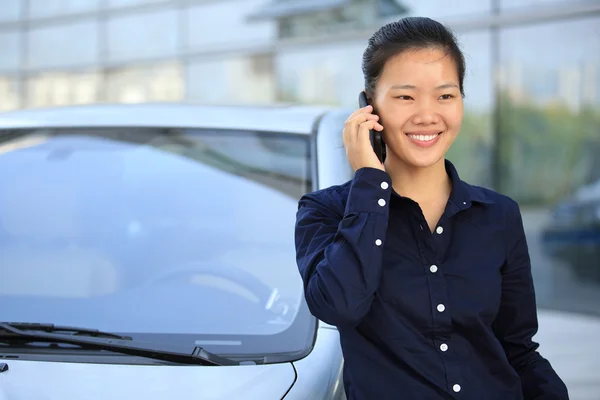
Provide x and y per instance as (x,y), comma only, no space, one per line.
(420,106)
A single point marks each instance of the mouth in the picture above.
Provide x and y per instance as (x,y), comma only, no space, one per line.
(424,139)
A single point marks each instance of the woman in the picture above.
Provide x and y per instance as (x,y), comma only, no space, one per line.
(427,278)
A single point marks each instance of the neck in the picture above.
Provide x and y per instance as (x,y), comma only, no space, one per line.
(422,185)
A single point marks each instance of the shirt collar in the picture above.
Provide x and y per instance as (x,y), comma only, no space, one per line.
(464,195)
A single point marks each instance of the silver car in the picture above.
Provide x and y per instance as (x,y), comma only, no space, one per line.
(147,251)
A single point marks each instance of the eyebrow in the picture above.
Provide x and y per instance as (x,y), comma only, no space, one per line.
(444,86)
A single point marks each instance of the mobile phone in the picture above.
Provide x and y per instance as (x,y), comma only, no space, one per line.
(374,136)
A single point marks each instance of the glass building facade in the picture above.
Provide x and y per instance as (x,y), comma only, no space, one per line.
(532,120)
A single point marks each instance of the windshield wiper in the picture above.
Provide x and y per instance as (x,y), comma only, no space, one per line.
(74,331)
(48,333)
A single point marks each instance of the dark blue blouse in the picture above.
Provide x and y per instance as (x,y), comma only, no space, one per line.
(443,315)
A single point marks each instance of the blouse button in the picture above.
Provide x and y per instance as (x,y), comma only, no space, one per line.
(384,185)
(439,230)
(441,307)
(443,347)
(381,202)
(378,242)
(456,388)
(433,268)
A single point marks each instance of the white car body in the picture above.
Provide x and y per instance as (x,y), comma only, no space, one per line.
(568,341)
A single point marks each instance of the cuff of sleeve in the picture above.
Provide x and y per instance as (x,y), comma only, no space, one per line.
(370,191)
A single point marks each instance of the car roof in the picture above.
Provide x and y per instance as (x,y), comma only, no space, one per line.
(270,118)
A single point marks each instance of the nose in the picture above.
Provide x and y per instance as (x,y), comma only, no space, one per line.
(425,115)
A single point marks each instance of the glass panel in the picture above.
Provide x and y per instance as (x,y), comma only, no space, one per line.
(47,45)
(471,152)
(63,88)
(143,35)
(550,129)
(202,90)
(50,8)
(135,84)
(516,4)
(124,3)
(244,79)
(128,237)
(224,23)
(366,15)
(10,43)
(328,73)
(358,15)
(9,93)
(11,10)
(443,8)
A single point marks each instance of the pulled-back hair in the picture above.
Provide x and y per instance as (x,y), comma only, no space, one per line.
(410,33)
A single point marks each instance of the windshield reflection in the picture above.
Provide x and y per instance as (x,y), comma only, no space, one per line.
(152,231)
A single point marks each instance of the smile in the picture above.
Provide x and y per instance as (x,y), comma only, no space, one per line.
(424,139)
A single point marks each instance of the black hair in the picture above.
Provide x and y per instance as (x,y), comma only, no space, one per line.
(410,33)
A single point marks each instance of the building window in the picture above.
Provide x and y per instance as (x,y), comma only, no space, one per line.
(10,43)
(11,10)
(53,8)
(9,93)
(66,46)
(549,113)
(239,79)
(145,83)
(143,35)
(63,88)
(341,17)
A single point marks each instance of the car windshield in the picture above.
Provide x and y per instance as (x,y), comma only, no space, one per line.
(170,234)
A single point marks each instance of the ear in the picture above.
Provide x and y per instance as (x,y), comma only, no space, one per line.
(369,99)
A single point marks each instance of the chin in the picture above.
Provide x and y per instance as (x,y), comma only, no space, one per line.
(417,159)
(423,161)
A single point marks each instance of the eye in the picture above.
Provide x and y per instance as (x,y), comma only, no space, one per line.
(404,97)
(446,96)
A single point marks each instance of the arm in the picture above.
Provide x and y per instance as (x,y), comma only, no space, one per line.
(516,322)
(339,256)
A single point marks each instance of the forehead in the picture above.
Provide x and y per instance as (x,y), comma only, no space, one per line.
(429,63)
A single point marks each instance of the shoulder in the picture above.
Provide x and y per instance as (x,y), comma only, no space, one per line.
(502,206)
(491,205)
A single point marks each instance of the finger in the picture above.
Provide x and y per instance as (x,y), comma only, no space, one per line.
(362,110)
(365,127)
(351,127)
(360,118)
(345,135)
(368,125)
(350,131)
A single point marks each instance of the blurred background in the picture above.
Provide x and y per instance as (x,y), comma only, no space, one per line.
(532,122)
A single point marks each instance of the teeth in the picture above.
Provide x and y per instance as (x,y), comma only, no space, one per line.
(423,138)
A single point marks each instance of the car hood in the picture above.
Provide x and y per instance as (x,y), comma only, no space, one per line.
(26,380)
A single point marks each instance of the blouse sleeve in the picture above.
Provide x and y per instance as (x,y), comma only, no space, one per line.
(339,248)
(516,322)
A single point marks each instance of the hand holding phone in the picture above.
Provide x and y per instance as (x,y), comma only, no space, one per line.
(362,138)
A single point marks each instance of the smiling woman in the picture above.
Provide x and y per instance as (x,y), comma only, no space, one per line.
(427,111)
(427,277)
